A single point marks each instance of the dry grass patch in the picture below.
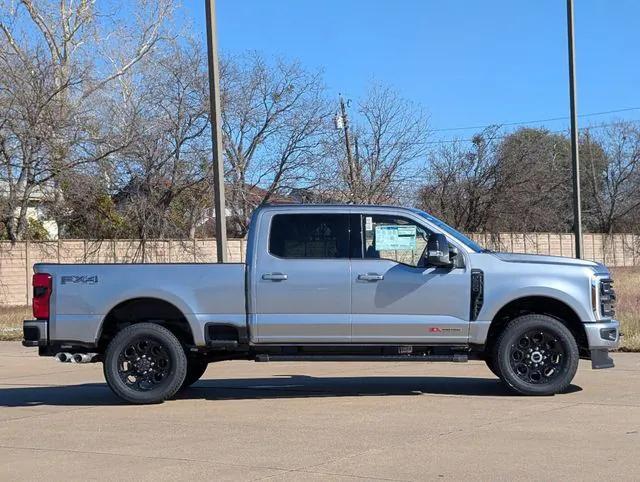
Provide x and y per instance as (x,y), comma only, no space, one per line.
(11,321)
(627,286)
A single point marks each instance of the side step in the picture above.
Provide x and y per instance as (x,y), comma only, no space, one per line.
(223,344)
(458,357)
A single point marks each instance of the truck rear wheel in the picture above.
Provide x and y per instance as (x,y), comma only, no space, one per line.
(491,365)
(145,363)
(536,355)
(195,369)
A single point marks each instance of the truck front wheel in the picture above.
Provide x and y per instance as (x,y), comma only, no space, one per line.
(195,369)
(145,363)
(536,355)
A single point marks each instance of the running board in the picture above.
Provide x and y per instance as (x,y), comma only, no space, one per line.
(222,344)
(458,358)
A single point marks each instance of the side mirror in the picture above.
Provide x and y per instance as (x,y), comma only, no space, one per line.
(438,251)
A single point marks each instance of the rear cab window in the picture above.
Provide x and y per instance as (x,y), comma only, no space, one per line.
(316,236)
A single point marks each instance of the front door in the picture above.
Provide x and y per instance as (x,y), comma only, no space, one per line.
(395,298)
(302,280)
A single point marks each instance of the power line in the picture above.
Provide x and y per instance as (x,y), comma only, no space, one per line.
(536,121)
(598,126)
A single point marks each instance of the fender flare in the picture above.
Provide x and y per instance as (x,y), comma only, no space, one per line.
(537,292)
(162,296)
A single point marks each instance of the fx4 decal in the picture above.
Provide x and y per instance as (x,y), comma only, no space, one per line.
(85,280)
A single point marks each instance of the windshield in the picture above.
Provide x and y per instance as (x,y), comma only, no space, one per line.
(453,232)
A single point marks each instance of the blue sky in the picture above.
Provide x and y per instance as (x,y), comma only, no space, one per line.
(467,62)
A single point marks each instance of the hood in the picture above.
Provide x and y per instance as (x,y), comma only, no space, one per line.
(545,259)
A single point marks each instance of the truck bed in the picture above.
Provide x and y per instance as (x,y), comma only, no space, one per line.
(83,294)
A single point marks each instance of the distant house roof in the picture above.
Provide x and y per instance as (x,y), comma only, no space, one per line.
(306,195)
(41,193)
(255,195)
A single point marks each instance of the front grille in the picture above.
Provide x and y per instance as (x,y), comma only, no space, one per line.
(607,298)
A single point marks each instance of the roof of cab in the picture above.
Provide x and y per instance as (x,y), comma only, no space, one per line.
(332,205)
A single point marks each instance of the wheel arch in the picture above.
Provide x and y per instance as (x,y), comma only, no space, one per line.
(542,305)
(145,309)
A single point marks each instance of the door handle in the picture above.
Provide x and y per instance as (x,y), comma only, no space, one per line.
(274,276)
(370,277)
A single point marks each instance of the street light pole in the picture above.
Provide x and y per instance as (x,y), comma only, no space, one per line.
(216,133)
(577,208)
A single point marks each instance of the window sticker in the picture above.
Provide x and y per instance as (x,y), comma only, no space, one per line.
(368,223)
(393,237)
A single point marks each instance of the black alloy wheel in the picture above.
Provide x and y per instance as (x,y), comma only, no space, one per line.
(145,363)
(536,355)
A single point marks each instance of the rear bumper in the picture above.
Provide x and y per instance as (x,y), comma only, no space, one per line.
(35,333)
(602,337)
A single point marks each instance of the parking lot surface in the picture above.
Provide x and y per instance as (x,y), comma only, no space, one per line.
(317,421)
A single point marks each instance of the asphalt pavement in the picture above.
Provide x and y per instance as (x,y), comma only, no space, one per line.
(317,421)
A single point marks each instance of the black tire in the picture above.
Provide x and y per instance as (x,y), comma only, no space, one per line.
(536,355)
(195,369)
(145,363)
(491,365)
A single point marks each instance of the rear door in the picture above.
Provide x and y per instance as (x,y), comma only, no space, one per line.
(395,297)
(301,281)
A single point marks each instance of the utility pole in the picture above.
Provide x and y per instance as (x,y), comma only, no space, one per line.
(577,207)
(347,141)
(216,133)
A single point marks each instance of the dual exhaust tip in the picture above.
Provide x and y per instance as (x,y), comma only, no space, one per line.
(65,357)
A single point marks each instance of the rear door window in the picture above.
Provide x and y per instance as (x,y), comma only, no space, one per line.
(299,236)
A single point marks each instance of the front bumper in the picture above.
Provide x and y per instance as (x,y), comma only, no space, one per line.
(602,337)
(35,333)
(604,334)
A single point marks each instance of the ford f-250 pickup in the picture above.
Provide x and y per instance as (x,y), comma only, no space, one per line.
(330,283)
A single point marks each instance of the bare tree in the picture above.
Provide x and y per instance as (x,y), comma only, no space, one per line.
(535,176)
(158,175)
(56,59)
(514,182)
(464,182)
(499,182)
(274,117)
(378,158)
(614,188)
(23,149)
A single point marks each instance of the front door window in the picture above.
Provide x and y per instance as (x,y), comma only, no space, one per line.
(394,238)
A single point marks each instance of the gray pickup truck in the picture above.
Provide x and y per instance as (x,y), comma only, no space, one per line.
(330,283)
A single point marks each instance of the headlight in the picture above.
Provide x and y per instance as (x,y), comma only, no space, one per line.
(603,297)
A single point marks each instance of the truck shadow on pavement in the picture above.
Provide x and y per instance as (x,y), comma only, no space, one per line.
(280,386)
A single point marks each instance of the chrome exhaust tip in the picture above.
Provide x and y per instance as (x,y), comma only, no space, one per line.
(64,357)
(83,357)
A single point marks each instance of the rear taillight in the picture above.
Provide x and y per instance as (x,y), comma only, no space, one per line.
(42,285)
